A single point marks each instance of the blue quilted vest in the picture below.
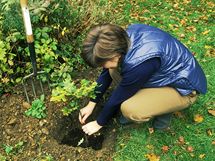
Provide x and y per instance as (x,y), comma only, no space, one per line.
(179,68)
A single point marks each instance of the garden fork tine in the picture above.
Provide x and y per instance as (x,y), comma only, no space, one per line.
(30,41)
(32,77)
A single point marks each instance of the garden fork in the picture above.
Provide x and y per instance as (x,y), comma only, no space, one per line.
(30,41)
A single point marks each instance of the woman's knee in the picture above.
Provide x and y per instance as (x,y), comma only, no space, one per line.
(132,113)
(125,108)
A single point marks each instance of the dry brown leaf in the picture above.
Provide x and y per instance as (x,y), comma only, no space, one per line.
(186,1)
(191,28)
(152,157)
(211,4)
(209,132)
(175,6)
(26,105)
(12,121)
(201,156)
(151,130)
(190,149)
(193,38)
(175,152)
(165,148)
(181,140)
(213,142)
(183,22)
(178,114)
(212,112)
(210,52)
(182,35)
(198,118)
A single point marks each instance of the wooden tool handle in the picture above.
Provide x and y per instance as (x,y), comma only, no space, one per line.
(29,33)
(27,20)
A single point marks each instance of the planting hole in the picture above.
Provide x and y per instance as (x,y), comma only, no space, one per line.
(67,130)
(76,137)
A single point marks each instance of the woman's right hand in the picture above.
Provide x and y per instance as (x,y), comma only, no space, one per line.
(86,112)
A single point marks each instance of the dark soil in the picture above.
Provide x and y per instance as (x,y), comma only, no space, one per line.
(58,136)
(71,134)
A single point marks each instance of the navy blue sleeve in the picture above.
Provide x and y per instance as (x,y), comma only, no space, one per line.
(130,84)
(103,82)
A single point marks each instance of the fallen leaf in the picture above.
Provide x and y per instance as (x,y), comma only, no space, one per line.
(183,22)
(191,28)
(205,17)
(208,47)
(175,153)
(165,148)
(182,36)
(26,105)
(12,121)
(181,140)
(178,114)
(212,112)
(149,146)
(206,32)
(151,130)
(192,155)
(45,131)
(209,132)
(190,149)
(152,157)
(175,5)
(186,1)
(213,142)
(201,156)
(198,118)
(193,38)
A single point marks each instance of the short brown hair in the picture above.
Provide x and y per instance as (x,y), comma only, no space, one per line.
(103,42)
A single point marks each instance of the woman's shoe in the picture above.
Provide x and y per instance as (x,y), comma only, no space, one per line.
(123,120)
(162,122)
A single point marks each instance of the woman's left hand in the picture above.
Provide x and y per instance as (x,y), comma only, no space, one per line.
(91,127)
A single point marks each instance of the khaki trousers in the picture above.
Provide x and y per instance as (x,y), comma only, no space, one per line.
(150,102)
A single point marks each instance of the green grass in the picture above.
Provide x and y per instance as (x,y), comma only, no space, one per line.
(192,23)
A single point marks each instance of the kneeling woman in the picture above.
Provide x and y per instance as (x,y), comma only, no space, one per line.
(156,74)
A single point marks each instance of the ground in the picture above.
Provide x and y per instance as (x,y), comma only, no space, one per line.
(56,136)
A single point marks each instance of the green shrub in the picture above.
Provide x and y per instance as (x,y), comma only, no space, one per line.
(73,93)
(59,28)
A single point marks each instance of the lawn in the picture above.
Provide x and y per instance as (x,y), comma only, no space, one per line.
(191,136)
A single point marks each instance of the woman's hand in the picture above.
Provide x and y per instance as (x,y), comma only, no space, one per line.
(86,112)
(91,127)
